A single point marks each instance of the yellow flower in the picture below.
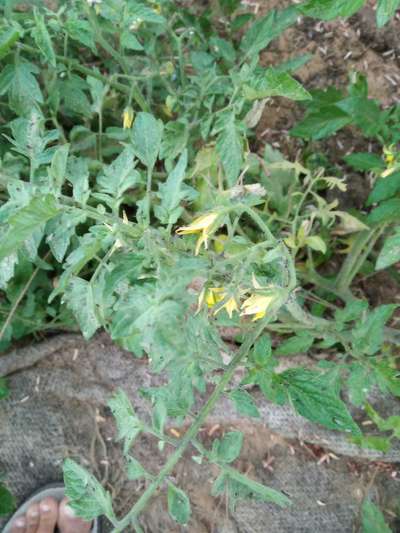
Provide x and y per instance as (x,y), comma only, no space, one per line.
(127,117)
(203,225)
(230,305)
(214,295)
(257,305)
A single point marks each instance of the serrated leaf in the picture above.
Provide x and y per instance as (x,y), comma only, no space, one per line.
(130,41)
(128,424)
(25,222)
(321,124)
(80,30)
(178,504)
(59,166)
(85,494)
(7,501)
(265,29)
(262,350)
(134,469)
(238,486)
(295,345)
(174,140)
(147,134)
(390,253)
(120,175)
(228,448)
(364,161)
(78,176)
(353,311)
(386,10)
(330,9)
(8,38)
(230,150)
(372,519)
(384,188)
(24,90)
(275,83)
(42,38)
(159,416)
(312,397)
(368,335)
(171,193)
(244,403)
(79,298)
(60,230)
(372,442)
(387,211)
(316,243)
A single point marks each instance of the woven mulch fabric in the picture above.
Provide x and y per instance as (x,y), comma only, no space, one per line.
(57,408)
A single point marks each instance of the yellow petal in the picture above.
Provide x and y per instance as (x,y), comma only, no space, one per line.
(257,316)
(127,117)
(256,303)
(199,224)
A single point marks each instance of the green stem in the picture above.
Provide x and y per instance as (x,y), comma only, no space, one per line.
(75,65)
(361,249)
(191,432)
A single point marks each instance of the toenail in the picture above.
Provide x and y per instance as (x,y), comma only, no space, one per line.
(20,523)
(33,513)
(45,507)
(69,511)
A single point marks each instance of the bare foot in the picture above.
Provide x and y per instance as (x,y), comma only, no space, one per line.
(43,517)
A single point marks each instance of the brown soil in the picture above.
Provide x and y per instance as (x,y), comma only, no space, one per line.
(338,48)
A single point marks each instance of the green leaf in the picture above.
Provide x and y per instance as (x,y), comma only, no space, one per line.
(85,494)
(78,176)
(178,504)
(159,416)
(4,391)
(316,243)
(59,166)
(129,426)
(146,138)
(295,345)
(172,193)
(228,449)
(230,150)
(129,41)
(372,519)
(79,298)
(24,91)
(321,124)
(385,11)
(134,469)
(60,230)
(330,9)
(238,486)
(364,161)
(42,38)
(8,38)
(80,30)
(244,403)
(373,442)
(387,211)
(175,139)
(25,222)
(120,175)
(262,350)
(7,501)
(353,311)
(275,83)
(314,398)
(368,335)
(390,253)
(264,30)
(384,188)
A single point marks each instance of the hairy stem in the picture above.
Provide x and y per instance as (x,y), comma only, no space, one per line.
(191,432)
